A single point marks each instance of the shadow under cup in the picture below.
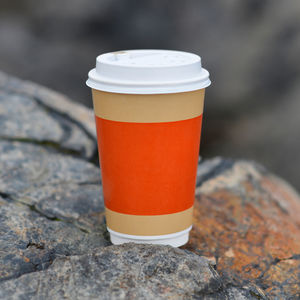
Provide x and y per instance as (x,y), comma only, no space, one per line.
(148,148)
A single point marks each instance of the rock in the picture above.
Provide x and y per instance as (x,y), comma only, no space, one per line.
(53,241)
(125,272)
(247,221)
(57,185)
(30,113)
(50,192)
(30,242)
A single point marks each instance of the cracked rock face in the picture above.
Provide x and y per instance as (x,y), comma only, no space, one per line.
(56,185)
(31,113)
(30,242)
(125,272)
(53,241)
(247,220)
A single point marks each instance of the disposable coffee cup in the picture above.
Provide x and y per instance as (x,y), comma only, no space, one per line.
(148,109)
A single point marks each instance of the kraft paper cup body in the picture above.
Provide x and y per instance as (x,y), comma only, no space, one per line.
(148,147)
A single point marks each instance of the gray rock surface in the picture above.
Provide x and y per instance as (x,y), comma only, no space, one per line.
(50,192)
(29,113)
(30,242)
(53,241)
(125,272)
(55,184)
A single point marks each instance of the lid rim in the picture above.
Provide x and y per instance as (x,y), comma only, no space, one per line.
(148,72)
(149,89)
(94,76)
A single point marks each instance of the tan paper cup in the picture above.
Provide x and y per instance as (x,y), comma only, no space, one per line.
(148,109)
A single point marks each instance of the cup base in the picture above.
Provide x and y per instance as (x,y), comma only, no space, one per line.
(176,239)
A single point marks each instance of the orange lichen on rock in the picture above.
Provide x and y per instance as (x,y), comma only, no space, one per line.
(249,220)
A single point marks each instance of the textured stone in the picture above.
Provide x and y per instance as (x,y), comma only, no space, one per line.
(30,242)
(247,221)
(53,241)
(51,205)
(126,272)
(34,114)
(57,185)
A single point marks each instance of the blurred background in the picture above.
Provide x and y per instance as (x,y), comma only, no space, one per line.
(250,47)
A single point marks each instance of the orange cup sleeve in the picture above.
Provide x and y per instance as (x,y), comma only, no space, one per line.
(149,168)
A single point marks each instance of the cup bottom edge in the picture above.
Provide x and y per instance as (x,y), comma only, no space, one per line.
(175,239)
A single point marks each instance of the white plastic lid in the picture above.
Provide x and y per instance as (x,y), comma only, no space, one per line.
(148,72)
